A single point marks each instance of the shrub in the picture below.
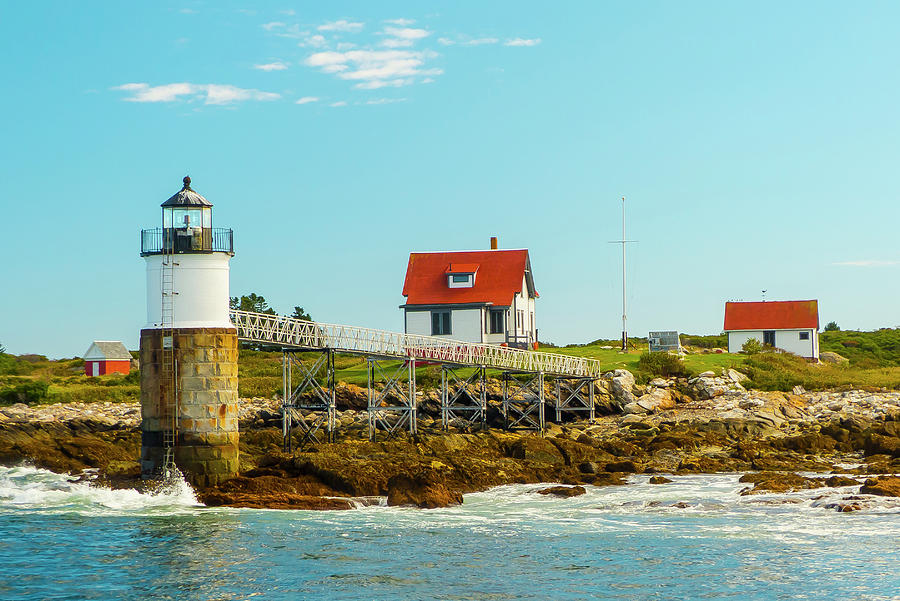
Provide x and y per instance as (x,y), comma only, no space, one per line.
(752,347)
(33,392)
(717,341)
(776,371)
(662,364)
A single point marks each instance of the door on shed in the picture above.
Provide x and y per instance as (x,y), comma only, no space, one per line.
(95,368)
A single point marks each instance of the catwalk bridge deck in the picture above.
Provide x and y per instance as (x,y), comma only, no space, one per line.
(289,333)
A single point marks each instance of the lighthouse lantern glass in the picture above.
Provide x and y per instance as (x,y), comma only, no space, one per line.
(185,217)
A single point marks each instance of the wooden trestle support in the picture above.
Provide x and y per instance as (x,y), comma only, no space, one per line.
(310,405)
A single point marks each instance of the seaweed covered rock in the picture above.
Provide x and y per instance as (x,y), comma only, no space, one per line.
(424,490)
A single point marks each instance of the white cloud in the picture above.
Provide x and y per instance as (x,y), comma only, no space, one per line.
(307,99)
(272,25)
(208,93)
(480,41)
(446,41)
(315,41)
(341,25)
(276,66)
(385,100)
(867,263)
(379,83)
(338,103)
(401,22)
(407,33)
(289,12)
(188,11)
(374,69)
(522,42)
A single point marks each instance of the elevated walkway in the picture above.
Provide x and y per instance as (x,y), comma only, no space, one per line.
(309,403)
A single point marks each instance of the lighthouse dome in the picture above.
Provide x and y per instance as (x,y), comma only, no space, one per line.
(186,197)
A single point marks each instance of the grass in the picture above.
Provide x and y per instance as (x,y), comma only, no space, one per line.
(874,364)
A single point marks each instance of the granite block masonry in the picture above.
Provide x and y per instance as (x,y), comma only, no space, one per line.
(205,405)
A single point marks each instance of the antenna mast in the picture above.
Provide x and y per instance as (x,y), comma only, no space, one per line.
(623,242)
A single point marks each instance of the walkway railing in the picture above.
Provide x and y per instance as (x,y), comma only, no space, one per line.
(286,332)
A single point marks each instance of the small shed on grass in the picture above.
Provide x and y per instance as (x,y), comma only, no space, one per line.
(791,326)
(106,357)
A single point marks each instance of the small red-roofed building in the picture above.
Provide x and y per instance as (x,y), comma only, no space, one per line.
(791,326)
(473,296)
(106,357)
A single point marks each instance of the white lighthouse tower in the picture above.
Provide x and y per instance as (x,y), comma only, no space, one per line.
(189,346)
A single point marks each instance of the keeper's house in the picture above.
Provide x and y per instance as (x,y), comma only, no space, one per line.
(792,326)
(474,296)
(106,357)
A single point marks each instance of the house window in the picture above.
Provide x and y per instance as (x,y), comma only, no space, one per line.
(804,335)
(769,338)
(461,280)
(496,321)
(440,323)
(520,317)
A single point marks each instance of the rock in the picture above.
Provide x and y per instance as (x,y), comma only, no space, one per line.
(423,490)
(885,486)
(563,491)
(634,407)
(622,384)
(588,467)
(634,418)
(844,507)
(830,357)
(837,481)
(798,390)
(658,399)
(659,480)
(750,403)
(629,467)
(708,374)
(660,383)
(607,479)
(778,482)
(734,375)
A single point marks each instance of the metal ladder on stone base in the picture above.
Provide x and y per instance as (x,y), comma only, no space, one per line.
(168,395)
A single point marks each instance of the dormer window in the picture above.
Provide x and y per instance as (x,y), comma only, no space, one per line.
(461,275)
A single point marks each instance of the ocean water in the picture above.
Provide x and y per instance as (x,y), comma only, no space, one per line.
(65,540)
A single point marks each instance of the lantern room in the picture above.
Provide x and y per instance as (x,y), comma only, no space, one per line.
(186,227)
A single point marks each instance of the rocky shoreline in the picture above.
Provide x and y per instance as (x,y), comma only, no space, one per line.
(670,426)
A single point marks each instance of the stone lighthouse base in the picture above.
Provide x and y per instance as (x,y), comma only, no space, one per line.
(205,385)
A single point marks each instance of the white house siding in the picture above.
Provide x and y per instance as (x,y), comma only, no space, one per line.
(525,329)
(787,340)
(465,324)
(418,322)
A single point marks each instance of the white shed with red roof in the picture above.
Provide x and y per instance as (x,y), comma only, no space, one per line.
(792,326)
(473,296)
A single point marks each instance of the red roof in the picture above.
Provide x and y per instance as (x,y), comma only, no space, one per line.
(773,315)
(499,278)
(463,267)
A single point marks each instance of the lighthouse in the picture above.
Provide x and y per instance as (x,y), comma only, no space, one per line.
(189,398)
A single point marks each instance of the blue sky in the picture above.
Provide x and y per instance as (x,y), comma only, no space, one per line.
(756,143)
